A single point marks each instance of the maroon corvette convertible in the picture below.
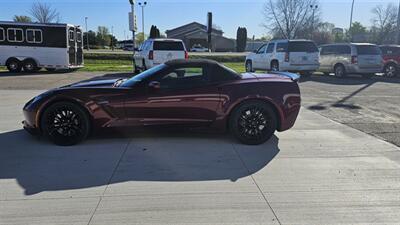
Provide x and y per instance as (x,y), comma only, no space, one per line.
(181,92)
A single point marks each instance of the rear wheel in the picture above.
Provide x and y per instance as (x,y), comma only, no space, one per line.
(306,74)
(253,122)
(65,123)
(274,66)
(14,65)
(340,71)
(249,67)
(391,70)
(29,66)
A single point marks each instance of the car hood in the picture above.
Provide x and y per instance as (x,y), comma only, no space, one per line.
(93,83)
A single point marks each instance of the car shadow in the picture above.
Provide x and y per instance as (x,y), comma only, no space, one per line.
(350,80)
(39,166)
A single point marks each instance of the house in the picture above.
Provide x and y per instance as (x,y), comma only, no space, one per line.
(196,34)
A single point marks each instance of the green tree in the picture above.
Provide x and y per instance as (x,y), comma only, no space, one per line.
(140,38)
(44,13)
(356,29)
(22,19)
(154,32)
(241,39)
(103,36)
(92,38)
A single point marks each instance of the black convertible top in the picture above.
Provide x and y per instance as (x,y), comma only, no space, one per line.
(191,62)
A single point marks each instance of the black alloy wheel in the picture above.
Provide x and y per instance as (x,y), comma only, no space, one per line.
(65,123)
(253,123)
(340,71)
(391,70)
(14,66)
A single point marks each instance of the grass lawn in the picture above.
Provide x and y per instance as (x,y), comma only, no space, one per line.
(93,65)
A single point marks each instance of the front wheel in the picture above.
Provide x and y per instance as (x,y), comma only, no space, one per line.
(14,66)
(253,123)
(275,66)
(65,124)
(391,70)
(249,67)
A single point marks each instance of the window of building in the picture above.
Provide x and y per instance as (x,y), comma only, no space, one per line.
(15,35)
(34,36)
(2,35)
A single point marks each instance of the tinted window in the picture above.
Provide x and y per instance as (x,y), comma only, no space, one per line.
(282,47)
(71,35)
(144,76)
(184,77)
(168,46)
(33,36)
(15,35)
(270,48)
(368,50)
(328,50)
(223,73)
(2,36)
(78,36)
(390,50)
(302,46)
(262,49)
(343,50)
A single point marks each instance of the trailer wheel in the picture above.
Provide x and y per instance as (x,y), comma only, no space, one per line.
(29,66)
(14,65)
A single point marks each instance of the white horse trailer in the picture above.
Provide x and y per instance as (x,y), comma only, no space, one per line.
(32,46)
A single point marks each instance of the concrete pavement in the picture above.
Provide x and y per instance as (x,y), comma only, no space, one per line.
(320,172)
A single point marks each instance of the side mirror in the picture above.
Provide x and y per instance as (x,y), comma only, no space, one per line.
(154,85)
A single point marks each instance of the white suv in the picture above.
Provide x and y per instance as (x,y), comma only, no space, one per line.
(158,51)
(285,55)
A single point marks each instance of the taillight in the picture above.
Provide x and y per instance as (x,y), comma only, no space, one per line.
(354,60)
(287,57)
(186,55)
(151,55)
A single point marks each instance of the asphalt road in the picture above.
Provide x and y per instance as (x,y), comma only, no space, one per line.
(319,172)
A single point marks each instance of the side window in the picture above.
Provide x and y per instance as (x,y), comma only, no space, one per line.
(78,36)
(282,47)
(2,34)
(328,50)
(271,48)
(185,77)
(343,50)
(34,36)
(15,35)
(262,49)
(71,35)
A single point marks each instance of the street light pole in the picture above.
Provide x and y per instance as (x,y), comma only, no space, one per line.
(313,8)
(351,22)
(87,34)
(143,5)
(398,27)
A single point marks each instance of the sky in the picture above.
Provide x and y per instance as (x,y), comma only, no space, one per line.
(169,14)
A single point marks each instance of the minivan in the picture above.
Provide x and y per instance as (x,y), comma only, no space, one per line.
(285,55)
(351,58)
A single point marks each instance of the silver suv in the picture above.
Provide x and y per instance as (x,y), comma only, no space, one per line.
(351,58)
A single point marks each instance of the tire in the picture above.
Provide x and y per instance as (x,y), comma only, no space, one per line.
(29,66)
(14,65)
(306,74)
(274,66)
(249,67)
(253,122)
(391,70)
(65,124)
(340,71)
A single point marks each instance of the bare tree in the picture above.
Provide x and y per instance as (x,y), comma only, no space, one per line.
(288,17)
(44,13)
(384,22)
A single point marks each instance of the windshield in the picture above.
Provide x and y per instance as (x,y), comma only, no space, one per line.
(143,76)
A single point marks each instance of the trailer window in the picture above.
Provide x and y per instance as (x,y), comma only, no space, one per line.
(2,38)
(71,35)
(34,36)
(15,35)
(78,36)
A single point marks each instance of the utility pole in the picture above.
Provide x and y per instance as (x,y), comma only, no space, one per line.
(87,34)
(132,28)
(398,27)
(313,8)
(143,5)
(351,22)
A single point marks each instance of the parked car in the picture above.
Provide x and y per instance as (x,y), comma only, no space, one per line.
(391,60)
(179,92)
(154,52)
(198,48)
(285,55)
(351,58)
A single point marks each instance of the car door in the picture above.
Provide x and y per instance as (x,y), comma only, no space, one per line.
(182,95)
(258,57)
(325,58)
(269,55)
